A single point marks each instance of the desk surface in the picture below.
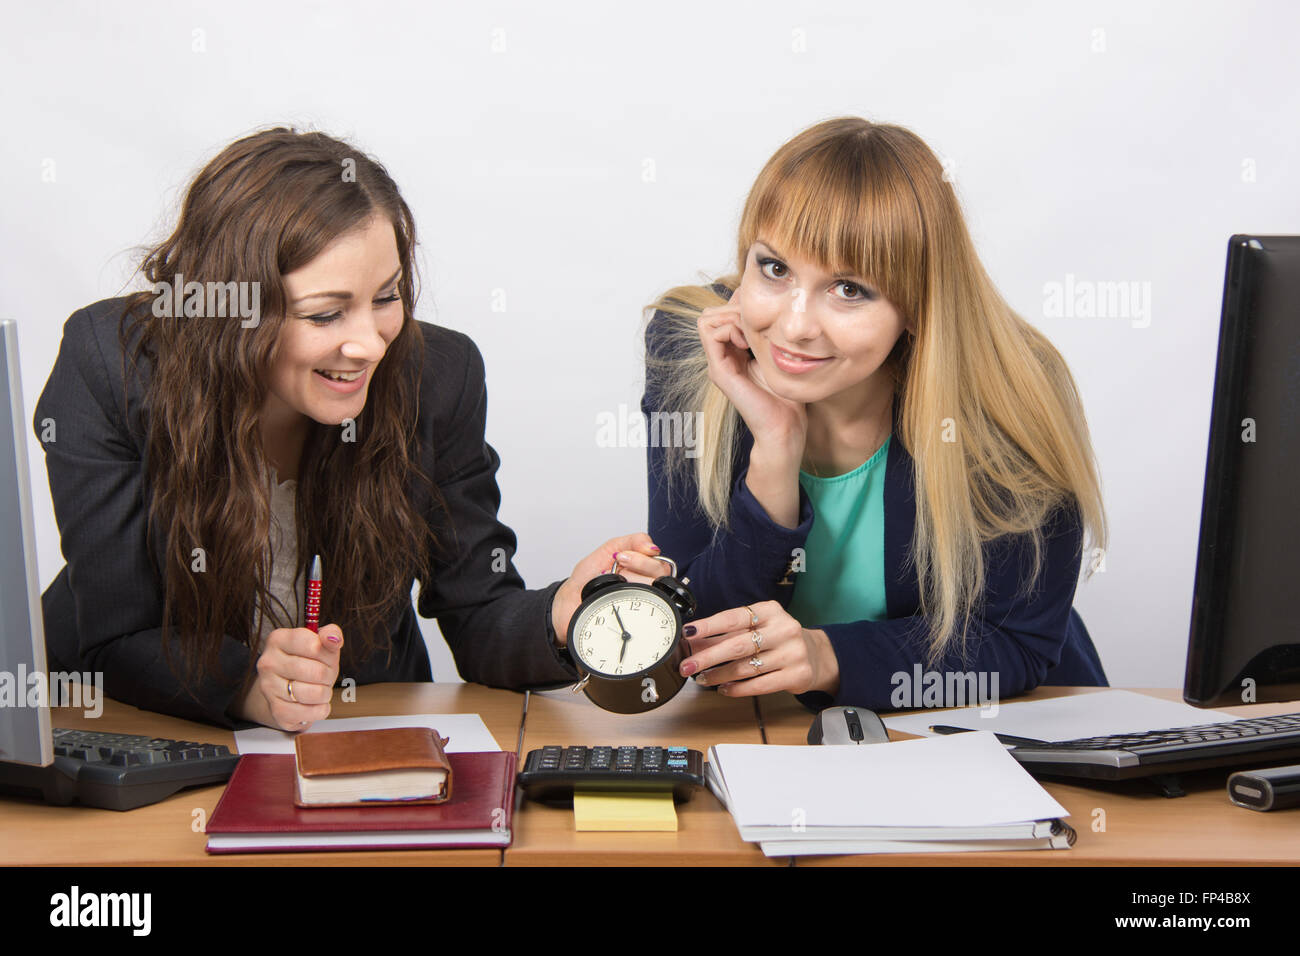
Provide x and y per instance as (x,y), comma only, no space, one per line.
(1140,826)
(168,833)
(695,718)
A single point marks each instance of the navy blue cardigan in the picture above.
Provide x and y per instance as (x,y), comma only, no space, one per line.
(1027,640)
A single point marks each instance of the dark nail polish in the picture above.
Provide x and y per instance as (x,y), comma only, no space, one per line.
(689,630)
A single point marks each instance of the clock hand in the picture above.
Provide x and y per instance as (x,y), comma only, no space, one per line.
(626,636)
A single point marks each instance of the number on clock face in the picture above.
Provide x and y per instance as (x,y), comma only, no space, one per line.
(646,619)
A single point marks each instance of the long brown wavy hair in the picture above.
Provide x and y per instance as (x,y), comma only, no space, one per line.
(990,413)
(265,206)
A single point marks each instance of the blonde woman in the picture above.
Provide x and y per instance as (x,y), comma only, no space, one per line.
(892,470)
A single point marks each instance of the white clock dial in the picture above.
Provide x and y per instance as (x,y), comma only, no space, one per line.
(625,633)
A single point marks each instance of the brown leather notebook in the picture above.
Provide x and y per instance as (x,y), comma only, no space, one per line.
(360,768)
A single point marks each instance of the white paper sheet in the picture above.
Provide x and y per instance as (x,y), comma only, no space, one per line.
(803,848)
(1066,718)
(962,780)
(466,733)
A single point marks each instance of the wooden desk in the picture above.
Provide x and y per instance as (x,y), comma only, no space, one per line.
(165,833)
(695,718)
(1142,827)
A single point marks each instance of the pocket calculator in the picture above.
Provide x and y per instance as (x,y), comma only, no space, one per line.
(550,775)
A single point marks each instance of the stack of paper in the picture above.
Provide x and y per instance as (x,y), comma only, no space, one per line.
(1096,714)
(938,794)
(465,733)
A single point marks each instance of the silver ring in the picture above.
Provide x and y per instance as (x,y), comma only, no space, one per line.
(757,638)
(289,687)
(755,662)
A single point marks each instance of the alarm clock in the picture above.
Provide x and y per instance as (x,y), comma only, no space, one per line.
(626,640)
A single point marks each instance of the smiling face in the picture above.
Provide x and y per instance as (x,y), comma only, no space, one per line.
(343,310)
(817,336)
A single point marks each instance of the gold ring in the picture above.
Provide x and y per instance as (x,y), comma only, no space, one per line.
(289,687)
(757,637)
(755,662)
(753,618)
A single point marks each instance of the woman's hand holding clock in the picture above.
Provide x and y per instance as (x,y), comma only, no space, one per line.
(634,553)
(759,650)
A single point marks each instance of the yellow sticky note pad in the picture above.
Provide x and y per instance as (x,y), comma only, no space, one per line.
(624,811)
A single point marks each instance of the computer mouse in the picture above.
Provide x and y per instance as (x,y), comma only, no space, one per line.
(847,725)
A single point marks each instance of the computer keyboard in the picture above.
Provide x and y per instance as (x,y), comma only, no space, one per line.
(118,771)
(1120,756)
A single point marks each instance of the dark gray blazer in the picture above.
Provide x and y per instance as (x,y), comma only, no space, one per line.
(104,610)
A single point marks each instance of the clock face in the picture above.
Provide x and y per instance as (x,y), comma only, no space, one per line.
(624,632)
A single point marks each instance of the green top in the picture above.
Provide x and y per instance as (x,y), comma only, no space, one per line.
(843,578)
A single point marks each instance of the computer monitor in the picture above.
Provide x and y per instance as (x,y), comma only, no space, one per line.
(25,734)
(1245,629)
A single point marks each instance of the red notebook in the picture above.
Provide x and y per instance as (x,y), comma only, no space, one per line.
(256,813)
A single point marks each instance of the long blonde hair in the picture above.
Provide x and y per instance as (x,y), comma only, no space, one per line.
(990,412)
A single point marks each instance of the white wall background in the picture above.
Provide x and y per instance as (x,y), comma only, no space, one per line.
(1114,141)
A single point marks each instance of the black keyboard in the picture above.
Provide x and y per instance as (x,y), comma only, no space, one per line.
(118,771)
(1120,756)
(550,775)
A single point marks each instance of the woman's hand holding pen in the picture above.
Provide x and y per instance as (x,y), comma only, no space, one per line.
(759,650)
(296,673)
(779,426)
(634,553)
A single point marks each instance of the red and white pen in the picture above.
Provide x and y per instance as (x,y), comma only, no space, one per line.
(313,596)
